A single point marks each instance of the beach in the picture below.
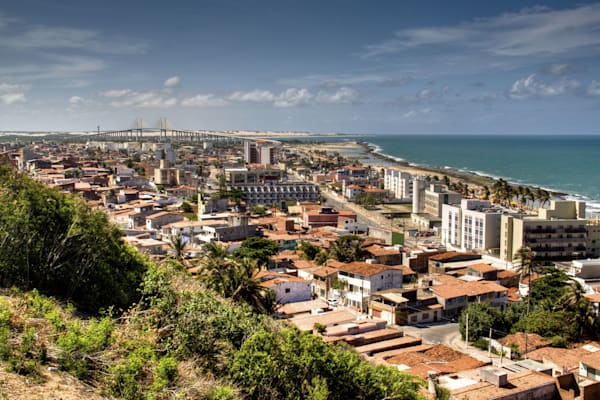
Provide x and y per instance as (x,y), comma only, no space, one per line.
(366,154)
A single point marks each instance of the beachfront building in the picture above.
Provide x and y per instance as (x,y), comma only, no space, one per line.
(352,173)
(436,196)
(399,183)
(593,238)
(418,195)
(472,225)
(557,233)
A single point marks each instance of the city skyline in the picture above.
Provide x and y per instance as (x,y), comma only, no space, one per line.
(428,67)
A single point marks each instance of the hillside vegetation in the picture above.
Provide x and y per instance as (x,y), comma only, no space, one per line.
(150,331)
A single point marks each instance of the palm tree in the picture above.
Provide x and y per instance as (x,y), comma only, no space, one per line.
(346,248)
(530,195)
(178,246)
(526,267)
(574,299)
(233,279)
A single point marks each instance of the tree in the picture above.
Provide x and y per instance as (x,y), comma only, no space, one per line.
(233,279)
(53,242)
(289,364)
(186,207)
(574,300)
(482,317)
(526,267)
(177,245)
(257,248)
(346,249)
(309,251)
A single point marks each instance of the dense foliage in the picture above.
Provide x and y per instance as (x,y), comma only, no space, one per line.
(288,364)
(53,242)
(556,309)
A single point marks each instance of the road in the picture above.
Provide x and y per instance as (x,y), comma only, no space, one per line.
(449,335)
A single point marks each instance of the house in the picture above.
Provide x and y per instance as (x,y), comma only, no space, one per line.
(360,279)
(455,296)
(157,220)
(483,271)
(326,216)
(497,384)
(440,263)
(405,306)
(323,280)
(236,227)
(384,255)
(287,288)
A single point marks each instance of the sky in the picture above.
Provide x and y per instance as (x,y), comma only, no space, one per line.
(365,67)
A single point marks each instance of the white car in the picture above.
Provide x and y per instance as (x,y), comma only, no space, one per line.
(333,302)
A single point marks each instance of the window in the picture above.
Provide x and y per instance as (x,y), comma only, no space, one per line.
(287,290)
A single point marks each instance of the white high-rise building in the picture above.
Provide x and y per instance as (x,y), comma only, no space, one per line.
(399,183)
(472,225)
(418,195)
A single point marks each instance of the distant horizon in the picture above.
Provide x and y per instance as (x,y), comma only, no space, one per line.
(280,65)
(315,134)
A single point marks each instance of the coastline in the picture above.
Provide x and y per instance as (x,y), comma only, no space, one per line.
(369,154)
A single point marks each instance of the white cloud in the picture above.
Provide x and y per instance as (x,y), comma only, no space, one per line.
(13,93)
(530,31)
(534,87)
(116,93)
(54,67)
(412,114)
(171,82)
(342,95)
(288,98)
(259,96)
(558,69)
(594,88)
(76,100)
(293,97)
(204,100)
(147,99)
(49,37)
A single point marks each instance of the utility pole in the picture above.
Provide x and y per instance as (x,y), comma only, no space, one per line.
(467,332)
(490,344)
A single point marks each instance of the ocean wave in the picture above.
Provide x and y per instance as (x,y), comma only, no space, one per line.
(376,149)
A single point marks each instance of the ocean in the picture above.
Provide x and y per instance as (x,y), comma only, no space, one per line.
(566,164)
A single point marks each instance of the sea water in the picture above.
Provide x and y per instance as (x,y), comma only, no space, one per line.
(568,164)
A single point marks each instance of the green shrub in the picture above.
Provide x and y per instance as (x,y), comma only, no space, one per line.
(481,343)
(80,341)
(165,374)
(27,357)
(5,346)
(221,393)
(559,341)
(128,376)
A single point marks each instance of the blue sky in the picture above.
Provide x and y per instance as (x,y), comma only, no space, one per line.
(404,67)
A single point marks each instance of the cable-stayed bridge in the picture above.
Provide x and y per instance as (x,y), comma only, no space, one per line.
(164,131)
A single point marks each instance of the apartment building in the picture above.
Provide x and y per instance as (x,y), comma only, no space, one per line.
(472,225)
(259,152)
(557,233)
(436,196)
(399,183)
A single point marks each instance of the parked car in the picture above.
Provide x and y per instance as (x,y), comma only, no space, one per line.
(333,302)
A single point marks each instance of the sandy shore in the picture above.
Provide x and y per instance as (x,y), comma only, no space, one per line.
(366,155)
